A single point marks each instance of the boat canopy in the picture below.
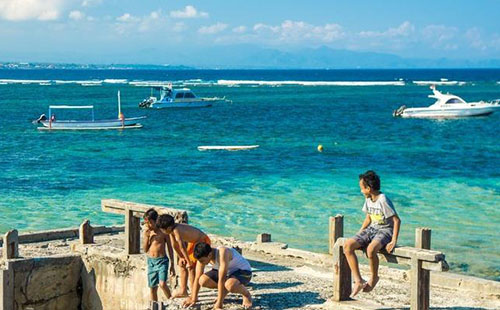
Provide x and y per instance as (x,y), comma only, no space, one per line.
(71,107)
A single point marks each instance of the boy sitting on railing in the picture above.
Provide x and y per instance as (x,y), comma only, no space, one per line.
(379,229)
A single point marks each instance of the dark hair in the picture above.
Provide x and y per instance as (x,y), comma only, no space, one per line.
(371,180)
(202,249)
(165,221)
(151,214)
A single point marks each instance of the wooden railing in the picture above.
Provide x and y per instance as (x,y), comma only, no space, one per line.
(133,213)
(420,259)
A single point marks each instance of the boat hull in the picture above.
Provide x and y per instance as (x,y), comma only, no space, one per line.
(448,112)
(181,105)
(99,124)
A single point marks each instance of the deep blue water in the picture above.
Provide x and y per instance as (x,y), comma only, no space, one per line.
(444,174)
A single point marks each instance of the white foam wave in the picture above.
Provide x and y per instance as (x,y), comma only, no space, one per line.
(442,82)
(115,81)
(311,83)
(149,83)
(9,81)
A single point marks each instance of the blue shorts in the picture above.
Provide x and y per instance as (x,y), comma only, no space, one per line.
(364,238)
(244,276)
(157,270)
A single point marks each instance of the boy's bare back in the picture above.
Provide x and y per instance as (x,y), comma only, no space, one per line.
(188,233)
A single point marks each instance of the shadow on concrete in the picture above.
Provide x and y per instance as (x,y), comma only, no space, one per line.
(267,267)
(91,298)
(274,285)
(438,308)
(287,300)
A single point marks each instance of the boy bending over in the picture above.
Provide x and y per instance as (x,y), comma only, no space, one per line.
(181,234)
(380,229)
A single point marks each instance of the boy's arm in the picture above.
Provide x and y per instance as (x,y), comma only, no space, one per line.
(223,263)
(366,222)
(170,254)
(145,241)
(397,224)
(182,247)
(191,300)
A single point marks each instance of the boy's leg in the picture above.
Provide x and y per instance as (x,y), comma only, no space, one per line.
(183,274)
(163,276)
(191,274)
(233,285)
(207,281)
(372,253)
(165,289)
(350,246)
(153,293)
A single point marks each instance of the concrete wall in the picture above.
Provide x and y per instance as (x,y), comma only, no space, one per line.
(113,280)
(49,283)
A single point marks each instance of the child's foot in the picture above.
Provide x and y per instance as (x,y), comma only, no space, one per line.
(247,302)
(358,287)
(179,294)
(371,284)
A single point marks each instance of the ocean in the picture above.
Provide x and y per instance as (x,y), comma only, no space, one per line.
(442,174)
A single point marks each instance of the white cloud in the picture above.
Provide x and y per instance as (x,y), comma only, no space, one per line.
(440,36)
(298,31)
(188,12)
(17,10)
(216,28)
(88,3)
(179,27)
(127,18)
(240,29)
(403,30)
(76,15)
(473,35)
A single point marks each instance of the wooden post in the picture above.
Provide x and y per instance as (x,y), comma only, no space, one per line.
(336,230)
(420,278)
(86,233)
(341,271)
(10,245)
(263,238)
(132,233)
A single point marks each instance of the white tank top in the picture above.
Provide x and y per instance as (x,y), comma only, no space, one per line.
(237,263)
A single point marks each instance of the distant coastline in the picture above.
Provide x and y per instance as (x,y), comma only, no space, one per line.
(74,66)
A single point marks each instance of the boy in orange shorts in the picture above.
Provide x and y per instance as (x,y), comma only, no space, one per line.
(180,235)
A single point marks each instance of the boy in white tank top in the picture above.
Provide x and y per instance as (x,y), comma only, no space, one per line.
(230,273)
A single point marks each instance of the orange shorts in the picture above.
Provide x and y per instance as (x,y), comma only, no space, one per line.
(191,245)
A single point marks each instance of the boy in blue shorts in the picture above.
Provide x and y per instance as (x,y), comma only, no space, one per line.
(379,229)
(154,245)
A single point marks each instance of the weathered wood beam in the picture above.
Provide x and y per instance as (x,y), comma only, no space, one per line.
(409,252)
(138,209)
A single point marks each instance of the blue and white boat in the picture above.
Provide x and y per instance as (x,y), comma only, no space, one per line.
(177,98)
(53,123)
(448,106)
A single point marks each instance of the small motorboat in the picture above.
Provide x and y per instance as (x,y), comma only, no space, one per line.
(51,123)
(448,106)
(177,98)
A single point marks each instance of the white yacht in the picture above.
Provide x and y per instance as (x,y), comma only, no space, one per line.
(176,98)
(448,106)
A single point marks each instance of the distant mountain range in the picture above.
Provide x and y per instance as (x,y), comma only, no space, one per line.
(255,57)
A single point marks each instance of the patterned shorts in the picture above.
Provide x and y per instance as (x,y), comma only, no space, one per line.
(364,238)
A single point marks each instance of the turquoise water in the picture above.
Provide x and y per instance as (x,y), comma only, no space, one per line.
(444,174)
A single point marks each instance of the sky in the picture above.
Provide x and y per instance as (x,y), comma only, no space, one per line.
(153,31)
